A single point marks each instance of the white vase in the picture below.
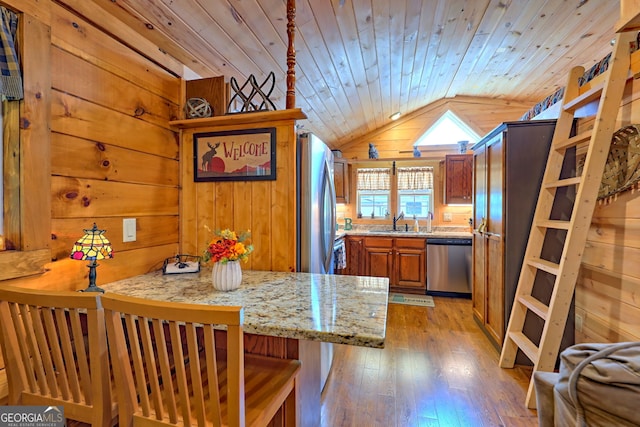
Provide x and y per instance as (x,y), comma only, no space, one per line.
(226,276)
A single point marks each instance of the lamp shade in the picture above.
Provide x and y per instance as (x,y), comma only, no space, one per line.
(92,246)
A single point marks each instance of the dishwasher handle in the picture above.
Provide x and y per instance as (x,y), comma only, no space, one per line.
(449,242)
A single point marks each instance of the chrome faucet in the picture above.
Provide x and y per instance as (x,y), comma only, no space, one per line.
(396,219)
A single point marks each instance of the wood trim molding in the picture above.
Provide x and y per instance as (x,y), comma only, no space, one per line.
(240,118)
(33,245)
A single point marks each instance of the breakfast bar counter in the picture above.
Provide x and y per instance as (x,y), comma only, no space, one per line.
(329,308)
(286,315)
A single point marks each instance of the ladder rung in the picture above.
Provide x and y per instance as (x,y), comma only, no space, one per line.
(563,182)
(544,265)
(573,141)
(584,98)
(555,224)
(525,344)
(534,305)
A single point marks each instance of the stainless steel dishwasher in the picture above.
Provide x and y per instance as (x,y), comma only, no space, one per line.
(449,266)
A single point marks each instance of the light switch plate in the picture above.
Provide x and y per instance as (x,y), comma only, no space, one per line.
(129,230)
(448,217)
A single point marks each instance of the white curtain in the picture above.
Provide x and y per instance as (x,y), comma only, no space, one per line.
(415,178)
(374,179)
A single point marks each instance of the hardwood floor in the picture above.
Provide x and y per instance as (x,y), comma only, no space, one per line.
(437,369)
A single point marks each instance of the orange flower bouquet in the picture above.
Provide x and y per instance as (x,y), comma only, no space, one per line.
(226,246)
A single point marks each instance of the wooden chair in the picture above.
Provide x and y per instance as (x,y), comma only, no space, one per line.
(55,350)
(169,371)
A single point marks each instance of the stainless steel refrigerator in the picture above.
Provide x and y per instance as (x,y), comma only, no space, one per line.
(316,222)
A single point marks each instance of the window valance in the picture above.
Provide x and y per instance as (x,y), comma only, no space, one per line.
(374,179)
(415,178)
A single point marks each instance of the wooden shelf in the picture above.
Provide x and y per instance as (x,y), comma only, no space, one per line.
(240,118)
(629,16)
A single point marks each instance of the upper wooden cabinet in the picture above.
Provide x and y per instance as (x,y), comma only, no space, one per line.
(341,179)
(458,169)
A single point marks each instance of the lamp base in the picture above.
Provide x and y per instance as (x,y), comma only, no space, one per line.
(92,278)
(93,289)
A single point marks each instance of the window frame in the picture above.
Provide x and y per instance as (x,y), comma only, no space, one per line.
(28,140)
(429,193)
(373,193)
(393,193)
(386,193)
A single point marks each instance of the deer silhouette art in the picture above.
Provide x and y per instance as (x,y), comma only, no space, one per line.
(206,157)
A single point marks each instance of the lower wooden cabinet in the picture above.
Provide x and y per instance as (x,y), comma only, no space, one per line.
(378,257)
(411,265)
(355,256)
(402,260)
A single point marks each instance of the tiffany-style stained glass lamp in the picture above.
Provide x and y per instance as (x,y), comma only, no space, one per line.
(92,247)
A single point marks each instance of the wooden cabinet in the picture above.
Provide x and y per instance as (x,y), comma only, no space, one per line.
(402,260)
(355,256)
(411,264)
(341,179)
(508,165)
(458,188)
(378,257)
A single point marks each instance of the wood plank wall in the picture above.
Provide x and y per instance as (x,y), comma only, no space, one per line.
(397,138)
(608,289)
(266,208)
(113,153)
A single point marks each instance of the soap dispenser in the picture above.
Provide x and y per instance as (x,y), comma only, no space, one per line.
(429,218)
(416,226)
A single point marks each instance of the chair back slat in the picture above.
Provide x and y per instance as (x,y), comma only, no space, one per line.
(50,328)
(180,385)
(84,375)
(200,410)
(71,380)
(43,344)
(165,370)
(212,377)
(32,356)
(137,361)
(54,345)
(235,369)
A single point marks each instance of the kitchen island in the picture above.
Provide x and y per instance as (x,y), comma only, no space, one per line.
(287,315)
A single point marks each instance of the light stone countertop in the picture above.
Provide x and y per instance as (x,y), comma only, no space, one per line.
(424,234)
(329,308)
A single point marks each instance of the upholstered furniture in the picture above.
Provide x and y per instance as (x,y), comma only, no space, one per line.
(169,369)
(55,351)
(597,385)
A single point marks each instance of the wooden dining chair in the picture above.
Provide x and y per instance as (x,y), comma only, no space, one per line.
(169,371)
(54,346)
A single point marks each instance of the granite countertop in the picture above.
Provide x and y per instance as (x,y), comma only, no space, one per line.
(329,308)
(389,233)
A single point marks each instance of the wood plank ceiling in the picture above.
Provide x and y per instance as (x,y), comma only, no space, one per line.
(359,61)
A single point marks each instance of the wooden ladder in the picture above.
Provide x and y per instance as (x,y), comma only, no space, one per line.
(554,315)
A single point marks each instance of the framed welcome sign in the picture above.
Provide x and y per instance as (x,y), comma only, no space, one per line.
(235,155)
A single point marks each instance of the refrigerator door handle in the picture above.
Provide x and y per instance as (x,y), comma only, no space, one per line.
(328,183)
